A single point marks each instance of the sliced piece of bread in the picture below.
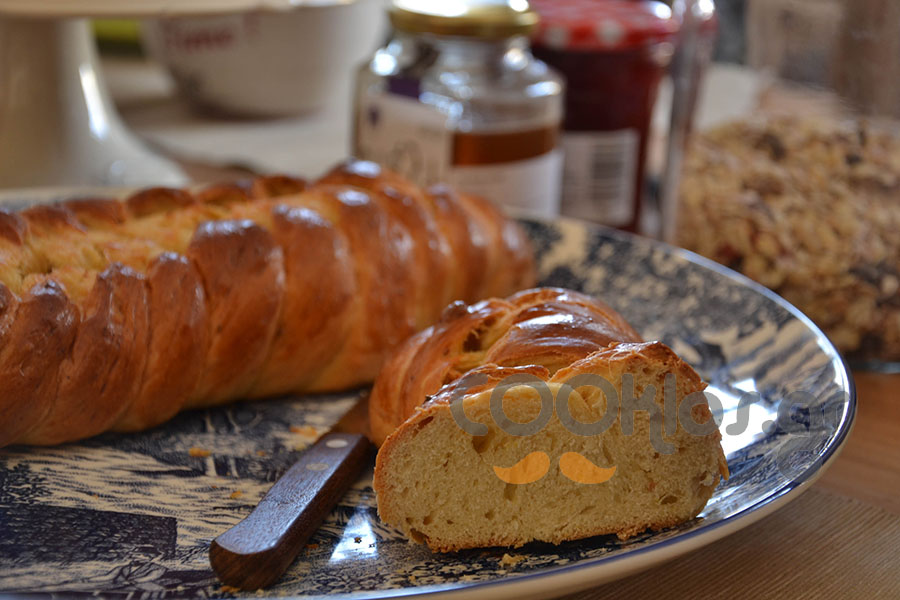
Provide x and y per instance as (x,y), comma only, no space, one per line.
(452,487)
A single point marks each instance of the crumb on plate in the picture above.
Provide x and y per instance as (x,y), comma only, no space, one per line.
(305,430)
(511,560)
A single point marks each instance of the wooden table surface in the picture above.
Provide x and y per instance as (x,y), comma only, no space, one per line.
(868,468)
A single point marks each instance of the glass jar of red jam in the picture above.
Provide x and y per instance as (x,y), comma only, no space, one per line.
(613,54)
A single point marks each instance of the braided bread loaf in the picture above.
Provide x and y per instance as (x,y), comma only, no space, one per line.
(117,315)
(453,486)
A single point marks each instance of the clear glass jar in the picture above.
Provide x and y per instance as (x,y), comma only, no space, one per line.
(462,100)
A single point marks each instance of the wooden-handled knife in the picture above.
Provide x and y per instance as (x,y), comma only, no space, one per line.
(256,552)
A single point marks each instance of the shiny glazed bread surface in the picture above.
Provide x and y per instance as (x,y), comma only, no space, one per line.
(117,315)
(454,487)
(547,327)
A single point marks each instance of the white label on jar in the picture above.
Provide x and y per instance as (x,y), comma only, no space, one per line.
(404,135)
(412,138)
(599,175)
(529,186)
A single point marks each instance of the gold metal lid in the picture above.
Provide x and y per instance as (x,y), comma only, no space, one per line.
(485,19)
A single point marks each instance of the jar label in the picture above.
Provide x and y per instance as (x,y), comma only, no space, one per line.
(530,186)
(404,135)
(413,139)
(599,175)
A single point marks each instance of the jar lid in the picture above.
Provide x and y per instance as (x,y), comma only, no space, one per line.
(603,24)
(485,19)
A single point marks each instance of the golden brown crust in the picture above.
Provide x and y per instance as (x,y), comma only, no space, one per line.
(550,327)
(426,362)
(557,327)
(97,212)
(319,287)
(223,194)
(405,203)
(178,344)
(12,227)
(501,257)
(369,176)
(242,270)
(435,253)
(13,253)
(8,303)
(625,356)
(156,200)
(381,251)
(467,238)
(472,231)
(172,299)
(42,323)
(517,257)
(49,217)
(272,186)
(99,377)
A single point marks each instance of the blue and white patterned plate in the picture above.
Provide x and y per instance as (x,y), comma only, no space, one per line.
(134,514)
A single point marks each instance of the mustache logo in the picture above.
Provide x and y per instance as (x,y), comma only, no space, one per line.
(572,464)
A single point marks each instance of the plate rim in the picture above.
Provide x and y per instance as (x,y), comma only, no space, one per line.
(656,553)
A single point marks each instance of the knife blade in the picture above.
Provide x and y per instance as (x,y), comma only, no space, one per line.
(257,551)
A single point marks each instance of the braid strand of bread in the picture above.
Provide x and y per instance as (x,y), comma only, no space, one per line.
(117,315)
(548,327)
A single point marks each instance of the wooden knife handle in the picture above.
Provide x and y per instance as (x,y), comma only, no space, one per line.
(257,551)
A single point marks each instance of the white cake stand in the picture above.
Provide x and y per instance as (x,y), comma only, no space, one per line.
(58,125)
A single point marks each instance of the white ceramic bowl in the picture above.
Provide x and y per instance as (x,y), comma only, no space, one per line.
(267,63)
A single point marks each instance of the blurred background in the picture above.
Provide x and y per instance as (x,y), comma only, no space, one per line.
(759,133)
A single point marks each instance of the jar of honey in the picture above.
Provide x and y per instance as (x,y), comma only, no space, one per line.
(613,54)
(456,96)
